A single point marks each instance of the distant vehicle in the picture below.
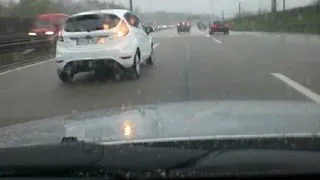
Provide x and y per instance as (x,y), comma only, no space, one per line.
(201,25)
(183,27)
(219,26)
(112,41)
(47,26)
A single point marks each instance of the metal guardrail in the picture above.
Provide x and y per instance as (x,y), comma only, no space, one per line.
(292,28)
(6,39)
(18,53)
(21,46)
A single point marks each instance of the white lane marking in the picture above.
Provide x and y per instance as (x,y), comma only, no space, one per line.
(303,90)
(217,40)
(156,45)
(25,67)
(207,35)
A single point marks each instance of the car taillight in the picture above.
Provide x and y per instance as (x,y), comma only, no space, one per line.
(122,31)
(60,38)
(214,26)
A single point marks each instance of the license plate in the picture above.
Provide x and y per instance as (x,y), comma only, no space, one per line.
(86,41)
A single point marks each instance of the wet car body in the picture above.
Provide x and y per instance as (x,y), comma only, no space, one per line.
(200,119)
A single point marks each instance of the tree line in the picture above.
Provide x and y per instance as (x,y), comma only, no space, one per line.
(31,8)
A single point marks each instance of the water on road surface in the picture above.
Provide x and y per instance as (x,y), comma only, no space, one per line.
(195,66)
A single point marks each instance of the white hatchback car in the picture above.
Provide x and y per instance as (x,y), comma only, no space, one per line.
(113,41)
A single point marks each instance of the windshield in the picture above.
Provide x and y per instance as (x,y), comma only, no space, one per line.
(43,23)
(91,22)
(135,70)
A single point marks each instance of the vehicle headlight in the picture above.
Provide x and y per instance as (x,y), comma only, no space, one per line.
(32,34)
(49,33)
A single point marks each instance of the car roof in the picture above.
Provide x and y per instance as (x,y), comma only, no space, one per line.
(50,15)
(118,12)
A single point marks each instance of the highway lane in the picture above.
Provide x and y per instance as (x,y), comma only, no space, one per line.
(188,67)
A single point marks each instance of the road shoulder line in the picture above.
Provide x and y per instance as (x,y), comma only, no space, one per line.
(217,40)
(156,45)
(298,87)
(25,67)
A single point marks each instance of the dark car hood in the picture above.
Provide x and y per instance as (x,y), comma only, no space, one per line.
(188,119)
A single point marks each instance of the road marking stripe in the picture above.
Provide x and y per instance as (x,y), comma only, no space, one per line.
(207,35)
(24,67)
(156,45)
(303,90)
(217,40)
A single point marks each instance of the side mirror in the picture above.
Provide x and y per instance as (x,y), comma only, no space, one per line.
(148,30)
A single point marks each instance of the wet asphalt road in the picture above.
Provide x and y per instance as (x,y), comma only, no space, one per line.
(195,66)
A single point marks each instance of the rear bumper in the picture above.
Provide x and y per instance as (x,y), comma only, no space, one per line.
(94,56)
(183,28)
(219,30)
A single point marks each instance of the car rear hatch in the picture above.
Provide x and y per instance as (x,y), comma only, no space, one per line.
(92,30)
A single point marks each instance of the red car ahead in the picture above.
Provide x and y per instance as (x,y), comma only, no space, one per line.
(47,26)
(219,26)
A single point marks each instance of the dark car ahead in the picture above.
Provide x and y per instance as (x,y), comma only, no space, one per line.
(219,26)
(202,26)
(183,27)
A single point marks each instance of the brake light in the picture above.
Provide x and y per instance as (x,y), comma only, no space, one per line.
(60,38)
(214,26)
(122,31)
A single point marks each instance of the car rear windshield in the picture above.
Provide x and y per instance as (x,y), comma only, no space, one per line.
(218,23)
(92,22)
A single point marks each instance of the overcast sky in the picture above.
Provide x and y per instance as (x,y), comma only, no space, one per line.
(209,6)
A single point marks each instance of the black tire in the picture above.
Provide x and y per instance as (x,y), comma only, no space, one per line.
(135,70)
(150,60)
(63,76)
(226,33)
(67,74)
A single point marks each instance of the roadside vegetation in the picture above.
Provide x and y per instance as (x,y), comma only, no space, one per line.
(298,20)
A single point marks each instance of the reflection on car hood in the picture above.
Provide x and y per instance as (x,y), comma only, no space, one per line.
(187,119)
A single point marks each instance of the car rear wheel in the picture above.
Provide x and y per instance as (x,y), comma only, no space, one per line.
(226,33)
(67,75)
(135,70)
(151,59)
